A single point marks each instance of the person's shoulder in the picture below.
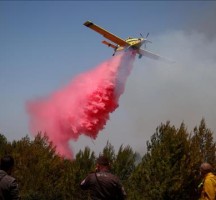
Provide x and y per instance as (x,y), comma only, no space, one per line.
(9,179)
(2,174)
(210,175)
(113,176)
(90,175)
(210,179)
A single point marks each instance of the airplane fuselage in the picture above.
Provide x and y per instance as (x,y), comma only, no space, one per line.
(134,43)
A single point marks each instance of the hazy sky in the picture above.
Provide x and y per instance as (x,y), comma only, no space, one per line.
(44,45)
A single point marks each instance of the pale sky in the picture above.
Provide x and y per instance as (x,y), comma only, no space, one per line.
(44,45)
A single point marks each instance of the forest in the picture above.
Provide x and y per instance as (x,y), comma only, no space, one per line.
(168,170)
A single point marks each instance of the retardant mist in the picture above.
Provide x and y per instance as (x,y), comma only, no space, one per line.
(83,106)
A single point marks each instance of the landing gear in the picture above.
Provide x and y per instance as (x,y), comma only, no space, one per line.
(114,51)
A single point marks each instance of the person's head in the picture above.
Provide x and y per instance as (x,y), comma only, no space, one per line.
(205,168)
(7,163)
(102,162)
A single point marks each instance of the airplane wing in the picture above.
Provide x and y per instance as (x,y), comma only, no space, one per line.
(152,55)
(106,34)
(109,44)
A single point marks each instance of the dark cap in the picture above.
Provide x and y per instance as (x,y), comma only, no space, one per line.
(103,160)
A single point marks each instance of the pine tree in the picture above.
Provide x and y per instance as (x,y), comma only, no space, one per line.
(159,175)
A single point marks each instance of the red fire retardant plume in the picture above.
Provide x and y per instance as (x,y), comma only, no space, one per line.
(83,106)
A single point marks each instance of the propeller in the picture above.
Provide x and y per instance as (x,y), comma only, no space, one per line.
(146,35)
(146,39)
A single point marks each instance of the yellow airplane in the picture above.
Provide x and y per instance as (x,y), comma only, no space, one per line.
(121,44)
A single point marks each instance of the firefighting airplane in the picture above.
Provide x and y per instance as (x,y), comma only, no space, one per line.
(121,44)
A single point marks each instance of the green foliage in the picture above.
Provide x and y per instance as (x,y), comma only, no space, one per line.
(168,170)
(202,139)
(124,163)
(38,168)
(3,145)
(202,149)
(109,152)
(82,165)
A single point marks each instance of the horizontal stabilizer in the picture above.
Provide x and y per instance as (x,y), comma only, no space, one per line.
(109,44)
